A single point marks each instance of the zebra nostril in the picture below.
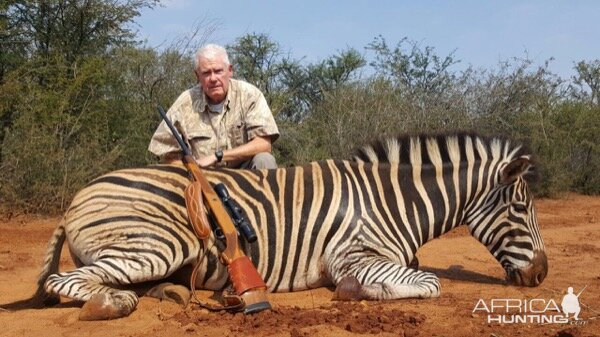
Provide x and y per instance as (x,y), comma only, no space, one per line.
(539,278)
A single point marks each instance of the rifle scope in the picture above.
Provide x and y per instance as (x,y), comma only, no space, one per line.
(236,213)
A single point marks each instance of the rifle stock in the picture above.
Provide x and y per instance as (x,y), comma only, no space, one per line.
(247,282)
(213,203)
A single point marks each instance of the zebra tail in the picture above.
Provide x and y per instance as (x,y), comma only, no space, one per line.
(41,298)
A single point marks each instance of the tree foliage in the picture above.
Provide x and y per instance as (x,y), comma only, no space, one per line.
(411,67)
(587,80)
(78,96)
(73,28)
(290,87)
(58,102)
(309,84)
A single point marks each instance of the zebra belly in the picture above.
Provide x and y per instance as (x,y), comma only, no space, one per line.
(314,276)
(133,245)
(213,275)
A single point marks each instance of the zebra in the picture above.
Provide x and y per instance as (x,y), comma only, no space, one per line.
(353,224)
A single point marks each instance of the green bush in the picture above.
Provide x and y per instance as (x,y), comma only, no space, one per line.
(66,120)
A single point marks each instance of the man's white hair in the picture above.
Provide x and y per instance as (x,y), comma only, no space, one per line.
(211,52)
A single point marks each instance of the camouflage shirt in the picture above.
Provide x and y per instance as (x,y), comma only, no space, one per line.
(245,115)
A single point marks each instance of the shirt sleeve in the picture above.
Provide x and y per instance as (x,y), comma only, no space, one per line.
(259,118)
(163,142)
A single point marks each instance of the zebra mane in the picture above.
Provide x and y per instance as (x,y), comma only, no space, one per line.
(425,149)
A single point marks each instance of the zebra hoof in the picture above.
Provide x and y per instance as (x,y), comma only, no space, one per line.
(178,294)
(158,291)
(171,292)
(104,306)
(348,289)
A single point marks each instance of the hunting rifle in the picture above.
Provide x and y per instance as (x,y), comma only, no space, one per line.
(249,286)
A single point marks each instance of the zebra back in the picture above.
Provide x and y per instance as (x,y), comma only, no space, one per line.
(423,149)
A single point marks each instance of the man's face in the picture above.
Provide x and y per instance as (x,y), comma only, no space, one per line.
(213,75)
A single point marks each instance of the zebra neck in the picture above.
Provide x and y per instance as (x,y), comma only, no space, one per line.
(434,199)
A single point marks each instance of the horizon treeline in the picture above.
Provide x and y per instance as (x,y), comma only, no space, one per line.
(78,97)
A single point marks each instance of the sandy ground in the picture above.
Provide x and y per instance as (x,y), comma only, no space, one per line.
(570,227)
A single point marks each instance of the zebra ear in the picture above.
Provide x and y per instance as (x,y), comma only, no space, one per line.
(514,169)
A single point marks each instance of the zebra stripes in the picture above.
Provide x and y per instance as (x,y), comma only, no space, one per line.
(316,224)
(491,184)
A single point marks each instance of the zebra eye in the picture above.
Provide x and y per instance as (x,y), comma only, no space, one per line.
(520,208)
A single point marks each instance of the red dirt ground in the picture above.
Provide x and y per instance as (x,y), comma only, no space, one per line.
(570,227)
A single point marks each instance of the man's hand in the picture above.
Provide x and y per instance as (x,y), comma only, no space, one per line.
(236,156)
(207,161)
(171,158)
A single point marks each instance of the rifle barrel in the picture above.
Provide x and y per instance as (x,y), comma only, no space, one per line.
(182,144)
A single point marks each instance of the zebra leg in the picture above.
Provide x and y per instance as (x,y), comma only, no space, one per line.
(414,264)
(378,278)
(89,284)
(171,292)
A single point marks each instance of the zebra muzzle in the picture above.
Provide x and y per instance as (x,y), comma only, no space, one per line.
(533,274)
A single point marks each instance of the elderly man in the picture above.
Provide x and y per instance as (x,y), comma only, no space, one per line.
(226,122)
